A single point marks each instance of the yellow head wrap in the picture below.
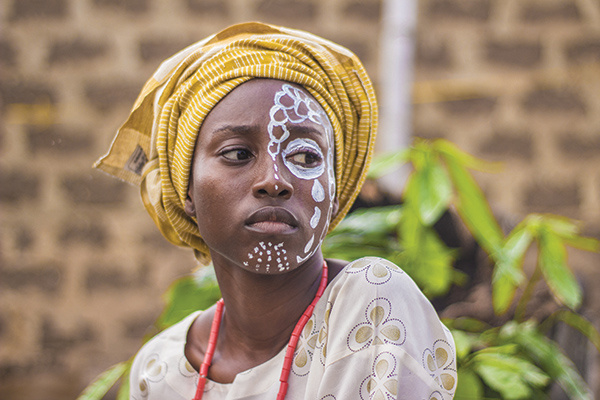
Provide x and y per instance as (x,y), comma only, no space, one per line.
(155,146)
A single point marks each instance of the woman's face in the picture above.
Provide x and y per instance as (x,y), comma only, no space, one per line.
(262,185)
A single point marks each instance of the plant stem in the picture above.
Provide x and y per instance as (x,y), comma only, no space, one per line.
(527,293)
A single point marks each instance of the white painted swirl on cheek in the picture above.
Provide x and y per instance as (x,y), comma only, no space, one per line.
(309,244)
(314,221)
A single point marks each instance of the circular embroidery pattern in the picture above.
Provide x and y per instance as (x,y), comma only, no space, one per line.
(382,384)
(439,362)
(305,348)
(377,270)
(436,396)
(185,368)
(323,335)
(378,328)
(154,370)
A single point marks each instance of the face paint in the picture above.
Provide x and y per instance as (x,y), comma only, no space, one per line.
(292,105)
(314,221)
(303,145)
(264,123)
(318,193)
(268,255)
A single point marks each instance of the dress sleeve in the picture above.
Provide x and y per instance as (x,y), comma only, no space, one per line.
(160,369)
(384,339)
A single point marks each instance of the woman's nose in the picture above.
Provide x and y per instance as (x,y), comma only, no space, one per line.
(272,181)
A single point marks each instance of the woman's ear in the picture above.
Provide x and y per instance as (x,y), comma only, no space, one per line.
(189,207)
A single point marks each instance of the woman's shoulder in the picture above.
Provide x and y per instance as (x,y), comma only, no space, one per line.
(376,312)
(372,294)
(167,343)
(161,361)
(372,273)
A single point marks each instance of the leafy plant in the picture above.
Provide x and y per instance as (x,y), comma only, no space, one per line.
(197,291)
(512,361)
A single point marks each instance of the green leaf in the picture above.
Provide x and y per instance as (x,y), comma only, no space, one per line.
(354,246)
(188,294)
(385,163)
(510,375)
(507,274)
(578,322)
(466,324)
(469,386)
(474,209)
(378,221)
(553,263)
(433,191)
(365,232)
(569,231)
(464,343)
(509,348)
(465,159)
(549,357)
(503,379)
(100,386)
(123,393)
(583,243)
(424,257)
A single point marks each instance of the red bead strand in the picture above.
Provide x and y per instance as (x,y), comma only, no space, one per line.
(289,354)
(210,350)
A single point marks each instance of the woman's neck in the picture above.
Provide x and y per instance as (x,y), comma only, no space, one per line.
(260,313)
(264,309)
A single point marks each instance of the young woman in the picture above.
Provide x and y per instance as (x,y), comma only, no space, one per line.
(250,146)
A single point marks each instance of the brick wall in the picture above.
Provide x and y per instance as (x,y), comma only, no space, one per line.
(516,81)
(519,82)
(79,285)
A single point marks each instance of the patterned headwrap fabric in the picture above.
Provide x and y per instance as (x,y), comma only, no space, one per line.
(155,146)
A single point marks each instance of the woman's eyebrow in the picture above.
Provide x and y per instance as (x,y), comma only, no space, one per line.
(305,130)
(234,129)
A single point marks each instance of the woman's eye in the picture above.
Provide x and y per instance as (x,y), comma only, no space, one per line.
(237,155)
(305,159)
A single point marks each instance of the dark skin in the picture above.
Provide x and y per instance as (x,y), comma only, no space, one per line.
(233,176)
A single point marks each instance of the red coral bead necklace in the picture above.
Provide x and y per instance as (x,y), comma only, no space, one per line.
(291,347)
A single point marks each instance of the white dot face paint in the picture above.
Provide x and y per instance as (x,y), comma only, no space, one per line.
(267,262)
(305,159)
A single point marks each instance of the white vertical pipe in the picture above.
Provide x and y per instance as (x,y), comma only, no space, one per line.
(398,22)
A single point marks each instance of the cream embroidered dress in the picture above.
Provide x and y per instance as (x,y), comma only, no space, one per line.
(373,335)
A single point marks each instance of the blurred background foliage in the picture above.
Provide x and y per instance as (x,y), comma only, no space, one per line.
(515,359)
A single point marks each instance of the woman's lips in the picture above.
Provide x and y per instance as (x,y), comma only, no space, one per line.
(272,220)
